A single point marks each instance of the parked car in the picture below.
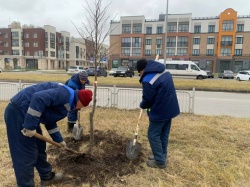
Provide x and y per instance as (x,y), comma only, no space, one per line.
(243,75)
(100,71)
(112,71)
(124,71)
(74,69)
(209,74)
(226,74)
(1,70)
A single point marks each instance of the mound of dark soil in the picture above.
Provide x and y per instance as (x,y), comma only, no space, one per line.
(105,162)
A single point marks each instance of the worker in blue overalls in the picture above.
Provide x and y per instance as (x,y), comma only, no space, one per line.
(76,82)
(45,103)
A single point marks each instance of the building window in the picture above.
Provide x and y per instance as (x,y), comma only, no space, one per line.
(136,52)
(52,37)
(240,27)
(172,26)
(158,41)
(196,52)
(126,28)
(5,44)
(196,41)
(15,52)
(5,35)
(35,35)
(238,52)
(52,54)
(210,40)
(148,41)
(211,28)
(26,35)
(149,30)
(136,42)
(125,51)
(183,27)
(35,44)
(6,52)
(26,44)
(15,34)
(27,53)
(182,41)
(46,53)
(239,40)
(170,51)
(210,52)
(158,51)
(182,52)
(137,28)
(52,45)
(171,41)
(15,43)
(159,30)
(228,25)
(225,51)
(126,42)
(226,40)
(197,29)
(147,52)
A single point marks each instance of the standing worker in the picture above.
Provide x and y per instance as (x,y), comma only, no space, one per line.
(45,103)
(76,82)
(160,100)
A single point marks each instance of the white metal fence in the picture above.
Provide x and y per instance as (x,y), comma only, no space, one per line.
(122,98)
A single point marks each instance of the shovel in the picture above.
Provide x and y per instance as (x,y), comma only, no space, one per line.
(133,147)
(77,130)
(41,137)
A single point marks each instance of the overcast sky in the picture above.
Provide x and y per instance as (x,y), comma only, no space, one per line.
(61,13)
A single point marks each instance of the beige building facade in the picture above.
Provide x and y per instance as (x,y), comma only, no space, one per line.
(213,43)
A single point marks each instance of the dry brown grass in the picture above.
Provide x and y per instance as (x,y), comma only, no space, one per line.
(187,84)
(204,151)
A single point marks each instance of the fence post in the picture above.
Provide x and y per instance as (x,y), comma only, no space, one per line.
(114,104)
(19,85)
(193,97)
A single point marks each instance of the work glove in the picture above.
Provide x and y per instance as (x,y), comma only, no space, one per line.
(29,133)
(63,143)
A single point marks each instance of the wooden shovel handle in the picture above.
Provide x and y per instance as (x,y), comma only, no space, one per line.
(41,137)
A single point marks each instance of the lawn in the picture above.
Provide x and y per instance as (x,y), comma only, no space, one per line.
(204,151)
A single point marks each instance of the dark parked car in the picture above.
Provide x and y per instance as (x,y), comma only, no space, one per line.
(100,71)
(226,74)
(209,74)
(124,71)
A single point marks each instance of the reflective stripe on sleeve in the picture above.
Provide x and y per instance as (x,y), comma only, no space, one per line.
(34,112)
(156,77)
(67,106)
(52,131)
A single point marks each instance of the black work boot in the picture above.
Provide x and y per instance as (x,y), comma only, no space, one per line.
(52,180)
(153,164)
(70,126)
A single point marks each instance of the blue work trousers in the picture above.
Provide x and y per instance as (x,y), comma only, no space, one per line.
(158,134)
(72,116)
(26,152)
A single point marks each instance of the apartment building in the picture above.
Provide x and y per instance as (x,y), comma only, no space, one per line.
(42,48)
(213,43)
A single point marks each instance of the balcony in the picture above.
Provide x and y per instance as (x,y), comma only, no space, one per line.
(136,44)
(226,43)
(171,44)
(126,44)
(182,44)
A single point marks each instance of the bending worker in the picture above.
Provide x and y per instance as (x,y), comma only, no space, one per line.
(76,82)
(45,103)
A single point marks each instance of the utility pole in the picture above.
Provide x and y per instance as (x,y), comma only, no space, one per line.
(166,37)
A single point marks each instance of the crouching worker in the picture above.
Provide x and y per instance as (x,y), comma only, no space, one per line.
(44,103)
(76,82)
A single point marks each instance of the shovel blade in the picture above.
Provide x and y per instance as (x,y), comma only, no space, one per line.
(77,132)
(133,150)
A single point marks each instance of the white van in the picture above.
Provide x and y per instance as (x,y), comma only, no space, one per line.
(184,69)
